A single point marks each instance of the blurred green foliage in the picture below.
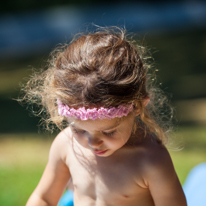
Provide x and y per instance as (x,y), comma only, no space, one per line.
(180,59)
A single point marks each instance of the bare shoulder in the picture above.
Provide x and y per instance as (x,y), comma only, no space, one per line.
(155,158)
(152,157)
(64,136)
(157,154)
(159,174)
(61,144)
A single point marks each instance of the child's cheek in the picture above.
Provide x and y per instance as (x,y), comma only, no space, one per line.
(80,139)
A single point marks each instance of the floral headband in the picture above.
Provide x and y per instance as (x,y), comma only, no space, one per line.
(101,113)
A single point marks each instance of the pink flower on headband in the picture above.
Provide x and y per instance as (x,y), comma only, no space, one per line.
(102,113)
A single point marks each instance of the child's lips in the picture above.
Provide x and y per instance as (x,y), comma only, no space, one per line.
(100,152)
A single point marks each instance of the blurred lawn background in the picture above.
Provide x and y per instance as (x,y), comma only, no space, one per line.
(180,58)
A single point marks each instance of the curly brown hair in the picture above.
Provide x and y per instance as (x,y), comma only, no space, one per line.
(98,69)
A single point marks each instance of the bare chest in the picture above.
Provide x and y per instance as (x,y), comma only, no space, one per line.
(106,181)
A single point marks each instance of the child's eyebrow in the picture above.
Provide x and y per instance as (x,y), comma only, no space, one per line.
(103,129)
(112,127)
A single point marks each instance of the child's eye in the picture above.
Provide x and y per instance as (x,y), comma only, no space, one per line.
(109,133)
(78,131)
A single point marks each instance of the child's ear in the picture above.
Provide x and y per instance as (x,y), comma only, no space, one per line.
(145,101)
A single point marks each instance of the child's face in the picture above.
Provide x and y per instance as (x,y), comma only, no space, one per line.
(103,137)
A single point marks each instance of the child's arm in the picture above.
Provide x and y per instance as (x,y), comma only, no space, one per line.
(162,180)
(54,178)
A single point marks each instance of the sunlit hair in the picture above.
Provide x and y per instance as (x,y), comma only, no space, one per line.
(99,69)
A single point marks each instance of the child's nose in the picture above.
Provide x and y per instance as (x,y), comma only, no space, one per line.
(94,142)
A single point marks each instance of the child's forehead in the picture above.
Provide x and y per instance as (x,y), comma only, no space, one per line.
(99,124)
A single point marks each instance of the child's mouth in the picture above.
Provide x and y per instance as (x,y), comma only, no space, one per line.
(100,152)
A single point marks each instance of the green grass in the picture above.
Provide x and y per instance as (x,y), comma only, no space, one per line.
(24,156)
(17,183)
(193,141)
(22,161)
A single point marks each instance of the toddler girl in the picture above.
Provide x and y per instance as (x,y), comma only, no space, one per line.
(111,146)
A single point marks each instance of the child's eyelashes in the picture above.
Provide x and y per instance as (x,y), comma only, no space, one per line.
(81,132)
(109,133)
(78,131)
